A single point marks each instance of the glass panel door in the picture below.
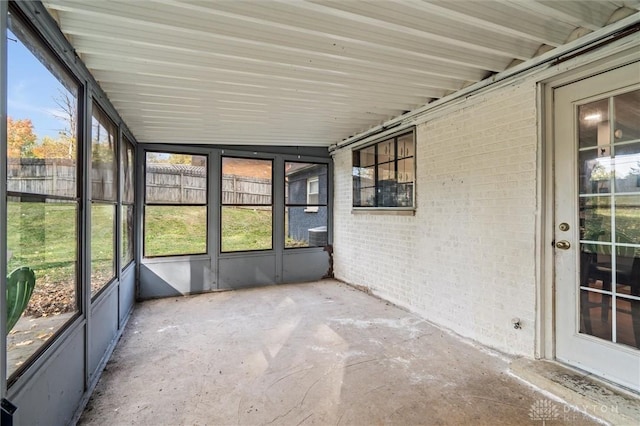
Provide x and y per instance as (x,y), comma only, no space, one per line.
(609,200)
(597,224)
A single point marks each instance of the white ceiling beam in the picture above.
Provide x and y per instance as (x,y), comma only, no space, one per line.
(321,20)
(203,88)
(199,60)
(226,48)
(491,22)
(175,20)
(580,16)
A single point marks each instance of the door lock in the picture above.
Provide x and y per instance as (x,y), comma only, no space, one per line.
(564,226)
(563,245)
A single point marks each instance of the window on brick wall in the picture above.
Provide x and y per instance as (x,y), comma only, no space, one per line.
(384,173)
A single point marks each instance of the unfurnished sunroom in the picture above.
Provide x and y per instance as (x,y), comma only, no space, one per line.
(475,163)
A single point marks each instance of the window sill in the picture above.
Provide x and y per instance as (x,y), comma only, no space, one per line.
(407,211)
(311,210)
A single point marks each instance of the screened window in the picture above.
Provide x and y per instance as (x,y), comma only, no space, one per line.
(247,204)
(103,200)
(175,213)
(42,204)
(383,173)
(313,189)
(306,187)
(127,165)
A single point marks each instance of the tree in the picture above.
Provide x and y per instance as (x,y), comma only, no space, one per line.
(69,113)
(20,138)
(52,148)
(180,159)
(187,159)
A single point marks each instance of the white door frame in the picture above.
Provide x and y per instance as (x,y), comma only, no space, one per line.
(545,266)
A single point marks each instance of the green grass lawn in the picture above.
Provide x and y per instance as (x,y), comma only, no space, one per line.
(174,230)
(598,224)
(246,229)
(43,236)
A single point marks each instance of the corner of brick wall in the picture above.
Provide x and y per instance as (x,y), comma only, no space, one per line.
(466,260)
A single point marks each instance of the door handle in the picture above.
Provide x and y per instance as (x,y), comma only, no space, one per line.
(563,245)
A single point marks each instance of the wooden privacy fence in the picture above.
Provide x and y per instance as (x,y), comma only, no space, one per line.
(184,184)
(165,183)
(245,190)
(57,176)
(42,176)
(176,184)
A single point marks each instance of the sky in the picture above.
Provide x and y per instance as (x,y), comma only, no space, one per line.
(31,90)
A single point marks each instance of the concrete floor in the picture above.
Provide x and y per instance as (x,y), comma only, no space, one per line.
(319,353)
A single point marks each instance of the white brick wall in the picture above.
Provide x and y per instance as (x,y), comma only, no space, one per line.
(466,260)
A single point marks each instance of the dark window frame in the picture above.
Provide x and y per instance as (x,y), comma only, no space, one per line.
(309,208)
(32,39)
(125,146)
(378,189)
(146,204)
(222,204)
(98,112)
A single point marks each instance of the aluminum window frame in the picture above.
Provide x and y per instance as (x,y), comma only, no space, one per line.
(222,204)
(37,41)
(146,203)
(375,165)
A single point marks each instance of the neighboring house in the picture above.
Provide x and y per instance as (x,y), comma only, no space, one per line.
(307,188)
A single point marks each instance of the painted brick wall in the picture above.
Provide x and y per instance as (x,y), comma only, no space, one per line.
(466,260)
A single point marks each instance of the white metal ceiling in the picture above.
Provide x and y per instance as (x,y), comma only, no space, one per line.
(304,72)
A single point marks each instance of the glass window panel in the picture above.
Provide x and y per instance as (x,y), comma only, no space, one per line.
(42,120)
(367,176)
(128,167)
(405,170)
(175,178)
(246,181)
(246,228)
(306,183)
(386,173)
(595,218)
(42,236)
(627,167)
(386,151)
(367,156)
(628,219)
(595,314)
(389,182)
(593,120)
(405,195)
(628,322)
(595,172)
(387,194)
(127,233)
(627,122)
(367,197)
(175,230)
(103,262)
(305,228)
(405,146)
(626,277)
(103,164)
(312,192)
(595,265)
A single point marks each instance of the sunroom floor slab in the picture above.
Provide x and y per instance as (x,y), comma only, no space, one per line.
(316,353)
